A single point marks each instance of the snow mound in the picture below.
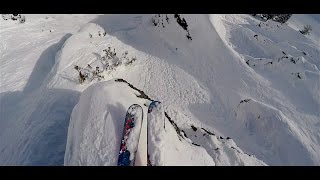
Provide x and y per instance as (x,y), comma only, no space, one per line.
(269,128)
(167,147)
(34,116)
(285,102)
(92,30)
(96,126)
(239,92)
(96,123)
(222,150)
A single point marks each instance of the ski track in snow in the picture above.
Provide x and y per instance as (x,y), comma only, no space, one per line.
(200,83)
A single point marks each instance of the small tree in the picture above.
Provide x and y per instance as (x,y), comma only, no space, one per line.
(82,76)
(306,30)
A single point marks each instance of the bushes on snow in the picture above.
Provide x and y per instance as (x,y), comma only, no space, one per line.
(159,19)
(14,17)
(108,62)
(88,73)
(306,30)
(298,75)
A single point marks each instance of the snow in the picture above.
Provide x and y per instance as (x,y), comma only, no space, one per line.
(96,124)
(34,118)
(236,94)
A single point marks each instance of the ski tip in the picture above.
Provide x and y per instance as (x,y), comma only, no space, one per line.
(135,105)
(152,105)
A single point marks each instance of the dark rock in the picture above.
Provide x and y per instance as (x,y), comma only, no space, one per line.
(193,128)
(208,132)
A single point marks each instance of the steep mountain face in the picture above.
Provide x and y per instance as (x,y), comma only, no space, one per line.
(96,125)
(236,90)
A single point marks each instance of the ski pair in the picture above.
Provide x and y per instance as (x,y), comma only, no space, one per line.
(132,129)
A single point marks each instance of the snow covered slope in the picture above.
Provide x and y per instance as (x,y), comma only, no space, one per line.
(96,127)
(241,92)
(34,119)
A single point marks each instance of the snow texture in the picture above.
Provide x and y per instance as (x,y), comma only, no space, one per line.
(156,134)
(241,92)
(96,124)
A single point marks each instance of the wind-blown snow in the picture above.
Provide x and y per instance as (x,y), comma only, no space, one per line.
(238,93)
(96,124)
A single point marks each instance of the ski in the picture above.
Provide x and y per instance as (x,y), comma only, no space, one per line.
(155,129)
(130,136)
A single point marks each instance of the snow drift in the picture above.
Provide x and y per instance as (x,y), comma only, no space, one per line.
(241,92)
(96,126)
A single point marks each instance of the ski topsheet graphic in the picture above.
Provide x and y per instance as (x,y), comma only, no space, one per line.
(131,135)
(155,133)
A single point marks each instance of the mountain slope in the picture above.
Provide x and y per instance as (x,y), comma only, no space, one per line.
(245,92)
